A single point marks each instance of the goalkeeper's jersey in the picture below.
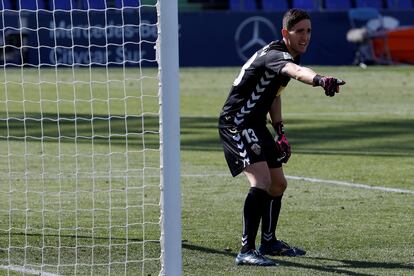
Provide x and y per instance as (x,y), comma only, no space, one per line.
(253,91)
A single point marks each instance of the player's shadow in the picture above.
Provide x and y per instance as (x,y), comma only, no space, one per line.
(338,266)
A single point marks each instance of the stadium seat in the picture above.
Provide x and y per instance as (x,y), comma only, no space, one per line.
(335,5)
(66,5)
(369,3)
(126,3)
(243,5)
(358,17)
(5,4)
(275,5)
(30,5)
(93,4)
(305,4)
(365,23)
(400,4)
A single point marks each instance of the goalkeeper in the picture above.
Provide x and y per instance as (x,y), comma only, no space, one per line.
(248,145)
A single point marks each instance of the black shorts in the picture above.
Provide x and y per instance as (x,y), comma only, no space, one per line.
(248,146)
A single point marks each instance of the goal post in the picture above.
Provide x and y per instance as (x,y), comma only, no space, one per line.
(170,137)
(89,138)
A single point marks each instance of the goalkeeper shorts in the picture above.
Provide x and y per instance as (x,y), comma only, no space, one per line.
(248,146)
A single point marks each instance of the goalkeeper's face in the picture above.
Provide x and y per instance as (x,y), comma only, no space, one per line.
(298,37)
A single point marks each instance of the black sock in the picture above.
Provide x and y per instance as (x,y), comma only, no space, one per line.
(252,213)
(270,218)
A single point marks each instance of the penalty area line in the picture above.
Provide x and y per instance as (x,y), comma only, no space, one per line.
(321,181)
(24,270)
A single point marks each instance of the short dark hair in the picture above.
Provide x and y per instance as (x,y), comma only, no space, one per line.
(292,17)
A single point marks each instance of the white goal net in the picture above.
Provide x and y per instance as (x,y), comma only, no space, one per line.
(81,176)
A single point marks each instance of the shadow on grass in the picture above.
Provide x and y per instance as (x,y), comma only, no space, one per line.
(366,264)
(314,136)
(342,268)
(85,237)
(81,129)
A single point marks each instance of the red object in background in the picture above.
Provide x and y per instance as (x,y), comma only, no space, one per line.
(397,43)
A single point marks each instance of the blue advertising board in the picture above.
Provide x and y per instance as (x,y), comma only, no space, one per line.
(228,39)
(80,38)
(116,38)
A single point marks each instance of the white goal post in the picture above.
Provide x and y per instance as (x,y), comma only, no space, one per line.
(170,133)
(89,138)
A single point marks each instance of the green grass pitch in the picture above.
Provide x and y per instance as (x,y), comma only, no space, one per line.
(364,135)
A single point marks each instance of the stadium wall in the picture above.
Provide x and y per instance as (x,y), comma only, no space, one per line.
(228,39)
(218,38)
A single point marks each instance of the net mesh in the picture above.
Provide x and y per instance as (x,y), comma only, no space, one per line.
(79,139)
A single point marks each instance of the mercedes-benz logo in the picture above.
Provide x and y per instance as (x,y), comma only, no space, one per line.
(252,34)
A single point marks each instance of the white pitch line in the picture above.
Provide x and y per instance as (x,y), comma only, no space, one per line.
(374,113)
(349,184)
(323,181)
(26,270)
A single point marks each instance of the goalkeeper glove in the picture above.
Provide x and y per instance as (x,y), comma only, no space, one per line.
(329,84)
(282,144)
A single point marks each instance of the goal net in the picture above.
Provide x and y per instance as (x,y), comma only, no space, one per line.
(82,158)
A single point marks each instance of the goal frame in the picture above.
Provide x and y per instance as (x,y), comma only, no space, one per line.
(167,56)
(168,221)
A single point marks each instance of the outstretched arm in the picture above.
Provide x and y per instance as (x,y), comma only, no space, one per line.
(308,76)
(300,73)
